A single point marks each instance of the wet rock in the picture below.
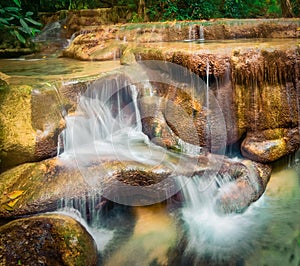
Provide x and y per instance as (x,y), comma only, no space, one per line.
(265,88)
(174,114)
(94,47)
(128,57)
(257,90)
(3,78)
(266,97)
(248,182)
(49,239)
(30,121)
(39,187)
(270,145)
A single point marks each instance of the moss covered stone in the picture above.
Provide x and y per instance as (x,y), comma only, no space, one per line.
(51,239)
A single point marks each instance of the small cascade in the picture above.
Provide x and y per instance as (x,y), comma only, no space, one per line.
(88,207)
(208,130)
(105,112)
(106,129)
(78,209)
(189,149)
(213,237)
(201,33)
(73,36)
(191,34)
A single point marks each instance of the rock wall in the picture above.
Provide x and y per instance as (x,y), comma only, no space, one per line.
(267,101)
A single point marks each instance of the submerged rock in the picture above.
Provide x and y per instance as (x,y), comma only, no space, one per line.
(49,239)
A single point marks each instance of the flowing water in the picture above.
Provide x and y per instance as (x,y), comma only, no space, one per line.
(107,125)
(267,233)
(185,229)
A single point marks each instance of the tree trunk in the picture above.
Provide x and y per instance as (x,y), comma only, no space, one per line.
(286,9)
(142,10)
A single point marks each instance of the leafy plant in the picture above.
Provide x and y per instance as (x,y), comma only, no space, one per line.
(135,18)
(20,25)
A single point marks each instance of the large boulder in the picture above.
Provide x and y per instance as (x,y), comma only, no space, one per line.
(271,144)
(49,239)
(30,122)
(38,187)
(174,115)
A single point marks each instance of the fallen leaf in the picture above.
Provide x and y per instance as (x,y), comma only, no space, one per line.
(12,203)
(6,207)
(15,194)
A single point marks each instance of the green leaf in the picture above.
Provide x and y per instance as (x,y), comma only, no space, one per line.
(4,21)
(19,36)
(17,2)
(25,26)
(29,13)
(12,9)
(33,22)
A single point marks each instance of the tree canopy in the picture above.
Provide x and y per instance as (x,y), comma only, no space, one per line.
(157,10)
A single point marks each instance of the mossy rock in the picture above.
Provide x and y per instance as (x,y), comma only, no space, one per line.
(38,187)
(30,122)
(269,145)
(50,239)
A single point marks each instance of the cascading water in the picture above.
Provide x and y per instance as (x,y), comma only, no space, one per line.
(107,127)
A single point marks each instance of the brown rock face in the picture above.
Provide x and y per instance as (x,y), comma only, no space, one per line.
(257,90)
(46,240)
(267,100)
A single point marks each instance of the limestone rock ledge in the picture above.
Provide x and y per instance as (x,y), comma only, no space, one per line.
(39,187)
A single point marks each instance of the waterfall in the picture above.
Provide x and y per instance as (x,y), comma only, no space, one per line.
(201,33)
(106,111)
(191,34)
(106,127)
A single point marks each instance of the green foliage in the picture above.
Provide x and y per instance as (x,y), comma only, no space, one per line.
(185,10)
(207,9)
(18,24)
(296,7)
